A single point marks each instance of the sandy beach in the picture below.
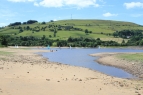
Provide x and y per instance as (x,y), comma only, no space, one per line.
(23,72)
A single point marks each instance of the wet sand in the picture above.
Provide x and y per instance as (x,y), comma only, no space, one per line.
(25,73)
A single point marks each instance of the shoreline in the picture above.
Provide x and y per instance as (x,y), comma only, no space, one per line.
(121,47)
(26,73)
(110,59)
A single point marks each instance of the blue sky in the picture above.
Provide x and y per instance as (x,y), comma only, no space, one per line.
(46,10)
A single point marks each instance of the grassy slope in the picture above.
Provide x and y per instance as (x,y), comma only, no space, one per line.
(96,26)
(132,57)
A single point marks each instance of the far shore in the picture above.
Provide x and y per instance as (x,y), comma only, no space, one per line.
(23,72)
(129,47)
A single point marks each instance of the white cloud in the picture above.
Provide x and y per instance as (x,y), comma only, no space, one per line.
(36,4)
(81,3)
(133,5)
(109,14)
(61,3)
(21,0)
(137,15)
(51,3)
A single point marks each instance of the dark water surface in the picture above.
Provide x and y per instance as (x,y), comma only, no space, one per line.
(80,57)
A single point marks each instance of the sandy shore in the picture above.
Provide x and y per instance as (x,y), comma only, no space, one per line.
(25,73)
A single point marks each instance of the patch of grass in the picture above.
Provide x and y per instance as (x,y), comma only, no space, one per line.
(119,40)
(138,57)
(78,34)
(5,53)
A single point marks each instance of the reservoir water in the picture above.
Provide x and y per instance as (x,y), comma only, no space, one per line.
(80,57)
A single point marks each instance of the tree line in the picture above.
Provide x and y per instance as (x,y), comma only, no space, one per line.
(7,40)
(50,27)
(19,23)
(135,37)
(127,33)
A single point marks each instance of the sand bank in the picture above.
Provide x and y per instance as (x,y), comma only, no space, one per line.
(25,73)
(111,59)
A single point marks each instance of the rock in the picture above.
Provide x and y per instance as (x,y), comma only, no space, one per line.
(48,79)
(136,92)
(121,85)
(1,68)
(80,80)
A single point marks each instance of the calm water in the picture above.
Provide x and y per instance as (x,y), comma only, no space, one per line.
(80,57)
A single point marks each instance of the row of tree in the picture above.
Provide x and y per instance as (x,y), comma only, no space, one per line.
(90,42)
(8,40)
(19,23)
(51,28)
(135,41)
(136,38)
(127,33)
(48,27)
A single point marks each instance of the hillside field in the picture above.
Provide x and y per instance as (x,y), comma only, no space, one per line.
(102,29)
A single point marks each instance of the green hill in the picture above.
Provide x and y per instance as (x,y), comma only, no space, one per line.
(63,29)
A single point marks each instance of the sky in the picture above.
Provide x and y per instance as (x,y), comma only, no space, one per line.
(45,10)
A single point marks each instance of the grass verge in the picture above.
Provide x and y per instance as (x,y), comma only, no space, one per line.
(136,57)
